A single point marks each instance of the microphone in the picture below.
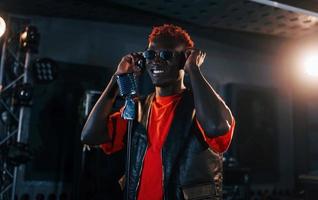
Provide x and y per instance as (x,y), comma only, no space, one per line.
(128,88)
(127,84)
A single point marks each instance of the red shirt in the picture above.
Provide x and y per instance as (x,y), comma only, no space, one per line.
(162,113)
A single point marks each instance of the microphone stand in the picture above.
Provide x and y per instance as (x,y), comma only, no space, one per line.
(130,125)
(128,88)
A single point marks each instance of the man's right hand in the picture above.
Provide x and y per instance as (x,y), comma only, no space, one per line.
(94,131)
(128,64)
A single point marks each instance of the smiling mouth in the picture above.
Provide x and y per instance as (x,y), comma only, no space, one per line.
(157,71)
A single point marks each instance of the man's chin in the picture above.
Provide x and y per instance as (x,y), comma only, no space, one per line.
(164,83)
(161,83)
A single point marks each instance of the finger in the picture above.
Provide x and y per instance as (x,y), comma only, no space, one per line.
(134,62)
(137,55)
(129,58)
(130,66)
(204,55)
(187,53)
(133,56)
(196,53)
(190,52)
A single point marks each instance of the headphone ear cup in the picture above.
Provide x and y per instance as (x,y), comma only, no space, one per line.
(182,60)
(141,63)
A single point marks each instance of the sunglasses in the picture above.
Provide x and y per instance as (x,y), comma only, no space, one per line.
(163,54)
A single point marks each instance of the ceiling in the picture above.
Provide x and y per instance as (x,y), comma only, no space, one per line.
(234,15)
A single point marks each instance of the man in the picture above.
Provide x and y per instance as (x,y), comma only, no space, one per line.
(180,134)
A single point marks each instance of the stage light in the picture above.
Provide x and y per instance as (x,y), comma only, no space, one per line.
(29,39)
(44,70)
(310,64)
(23,94)
(2,26)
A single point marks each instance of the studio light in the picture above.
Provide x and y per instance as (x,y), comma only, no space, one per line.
(23,94)
(44,70)
(307,65)
(310,64)
(2,26)
(302,58)
(29,39)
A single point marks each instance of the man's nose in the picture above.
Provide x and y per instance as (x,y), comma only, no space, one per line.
(157,58)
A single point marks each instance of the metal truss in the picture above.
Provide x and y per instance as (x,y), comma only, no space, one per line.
(12,115)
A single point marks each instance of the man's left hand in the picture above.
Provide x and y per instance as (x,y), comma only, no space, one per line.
(195,58)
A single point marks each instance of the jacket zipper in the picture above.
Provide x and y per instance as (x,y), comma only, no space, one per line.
(143,158)
(142,164)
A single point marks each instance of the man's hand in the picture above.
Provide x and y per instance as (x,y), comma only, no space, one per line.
(195,58)
(128,64)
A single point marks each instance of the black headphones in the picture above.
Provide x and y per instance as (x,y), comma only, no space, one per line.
(141,62)
(183,60)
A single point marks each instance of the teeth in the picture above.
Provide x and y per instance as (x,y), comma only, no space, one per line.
(157,71)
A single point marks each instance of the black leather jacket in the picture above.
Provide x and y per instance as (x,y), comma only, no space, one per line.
(191,169)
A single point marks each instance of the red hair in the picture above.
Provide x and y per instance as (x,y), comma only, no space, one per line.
(170,30)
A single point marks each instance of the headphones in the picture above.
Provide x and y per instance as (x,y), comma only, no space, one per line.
(183,59)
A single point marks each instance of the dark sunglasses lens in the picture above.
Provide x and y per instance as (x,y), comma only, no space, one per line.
(165,55)
(149,54)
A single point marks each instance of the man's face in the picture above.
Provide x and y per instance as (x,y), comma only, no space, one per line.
(164,68)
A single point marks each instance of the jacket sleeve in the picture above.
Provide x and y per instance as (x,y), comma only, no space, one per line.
(117,128)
